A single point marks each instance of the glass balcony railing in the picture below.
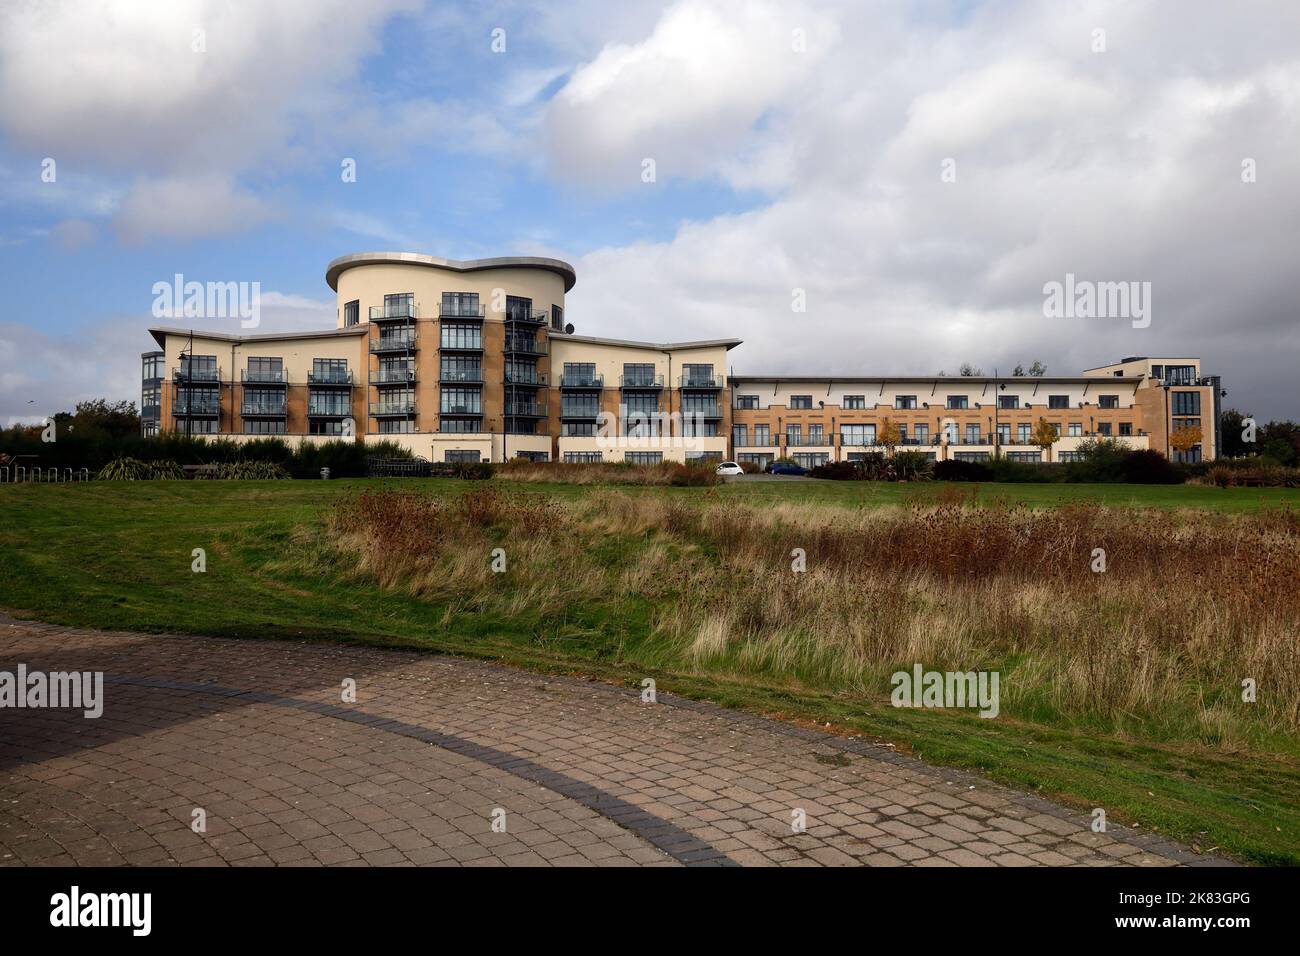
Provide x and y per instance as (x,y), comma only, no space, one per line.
(641,380)
(328,410)
(264,376)
(581,380)
(196,374)
(700,381)
(473,376)
(330,377)
(525,378)
(526,316)
(389,409)
(263,409)
(461,343)
(393,376)
(392,311)
(393,342)
(453,310)
(524,346)
(183,408)
(579,411)
(450,408)
(526,409)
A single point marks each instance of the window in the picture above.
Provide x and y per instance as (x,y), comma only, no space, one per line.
(557,318)
(325,426)
(972,456)
(400,304)
(461,401)
(460,425)
(972,434)
(762,435)
(1024,433)
(579,405)
(265,369)
(705,404)
(810,459)
(1025,457)
(905,401)
(857,434)
(739,435)
(697,375)
(329,371)
(328,402)
(199,426)
(855,401)
(460,304)
(518,308)
(152,366)
(1126,429)
(351,312)
(1069,456)
(1058,401)
(1180,374)
(1103,428)
(815,435)
(462,455)
(263,401)
(639,375)
(1187,403)
(762,459)
(747,401)
(640,414)
(460,368)
(461,335)
(643,457)
(201,368)
(801,401)
(396,426)
(922,431)
(577,429)
(958,401)
(264,426)
(1004,434)
(1075,430)
(1008,401)
(150,399)
(523,372)
(579,373)
(1108,401)
(582,457)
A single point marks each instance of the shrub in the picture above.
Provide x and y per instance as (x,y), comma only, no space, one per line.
(166,470)
(1004,469)
(472,470)
(124,469)
(954,470)
(1149,467)
(913,465)
(838,471)
(243,471)
(750,467)
(1102,459)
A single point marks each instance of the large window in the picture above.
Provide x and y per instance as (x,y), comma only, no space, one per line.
(582,457)
(638,414)
(1058,401)
(638,374)
(1008,401)
(461,368)
(152,366)
(351,312)
(462,401)
(807,459)
(762,435)
(972,434)
(329,370)
(747,401)
(905,401)
(264,426)
(579,405)
(922,434)
(399,304)
(329,402)
(461,335)
(460,303)
(701,404)
(396,426)
(958,401)
(461,425)
(579,373)
(739,435)
(523,372)
(643,457)
(518,308)
(801,401)
(697,374)
(1180,374)
(199,367)
(855,401)
(1108,401)
(462,455)
(577,429)
(1187,403)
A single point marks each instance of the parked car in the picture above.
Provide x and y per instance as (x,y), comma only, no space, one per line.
(729,468)
(785,468)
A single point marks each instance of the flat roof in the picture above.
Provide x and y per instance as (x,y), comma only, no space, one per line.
(338,266)
(593,340)
(160,334)
(955,379)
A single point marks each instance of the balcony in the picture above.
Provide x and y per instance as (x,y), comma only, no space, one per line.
(391,409)
(640,381)
(328,410)
(523,346)
(711,414)
(450,409)
(396,342)
(196,408)
(462,312)
(808,441)
(392,313)
(581,380)
(268,376)
(525,410)
(463,376)
(263,409)
(332,378)
(532,380)
(184,374)
(701,381)
(461,343)
(971,441)
(526,317)
(586,413)
(393,376)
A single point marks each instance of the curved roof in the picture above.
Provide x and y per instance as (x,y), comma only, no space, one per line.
(559,267)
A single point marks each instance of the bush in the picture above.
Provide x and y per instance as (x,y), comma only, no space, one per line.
(838,471)
(472,470)
(750,467)
(1004,469)
(166,470)
(243,471)
(913,465)
(1102,459)
(954,470)
(1148,467)
(124,469)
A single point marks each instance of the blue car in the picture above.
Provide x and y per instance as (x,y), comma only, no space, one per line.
(785,468)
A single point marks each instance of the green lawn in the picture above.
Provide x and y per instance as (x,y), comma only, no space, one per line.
(117,555)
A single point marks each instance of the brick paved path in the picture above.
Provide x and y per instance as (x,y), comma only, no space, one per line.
(255,734)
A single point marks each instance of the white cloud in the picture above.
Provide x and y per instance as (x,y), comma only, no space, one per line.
(188,207)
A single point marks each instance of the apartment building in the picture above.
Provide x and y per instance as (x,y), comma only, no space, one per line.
(474,361)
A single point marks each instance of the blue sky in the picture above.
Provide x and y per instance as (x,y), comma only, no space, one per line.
(798,146)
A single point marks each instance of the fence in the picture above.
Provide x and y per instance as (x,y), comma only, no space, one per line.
(13,474)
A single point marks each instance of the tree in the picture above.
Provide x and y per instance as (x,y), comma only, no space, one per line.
(1280,441)
(1184,439)
(1045,435)
(970,371)
(891,436)
(1231,425)
(114,419)
(1037,370)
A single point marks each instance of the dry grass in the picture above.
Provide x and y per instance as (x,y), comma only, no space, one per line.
(663,474)
(1189,605)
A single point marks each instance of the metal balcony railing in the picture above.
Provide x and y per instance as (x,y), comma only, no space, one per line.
(524,346)
(590,412)
(328,410)
(387,313)
(329,378)
(185,374)
(461,312)
(525,316)
(525,409)
(267,376)
(461,343)
(196,407)
(700,381)
(470,376)
(537,379)
(263,409)
(387,409)
(393,376)
(398,342)
(450,409)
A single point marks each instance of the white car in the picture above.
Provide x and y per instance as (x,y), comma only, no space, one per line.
(729,468)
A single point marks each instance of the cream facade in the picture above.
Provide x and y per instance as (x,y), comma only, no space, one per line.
(475,360)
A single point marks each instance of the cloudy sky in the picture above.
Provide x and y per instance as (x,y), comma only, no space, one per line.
(919,170)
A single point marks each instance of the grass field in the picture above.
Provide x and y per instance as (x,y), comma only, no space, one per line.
(634,583)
